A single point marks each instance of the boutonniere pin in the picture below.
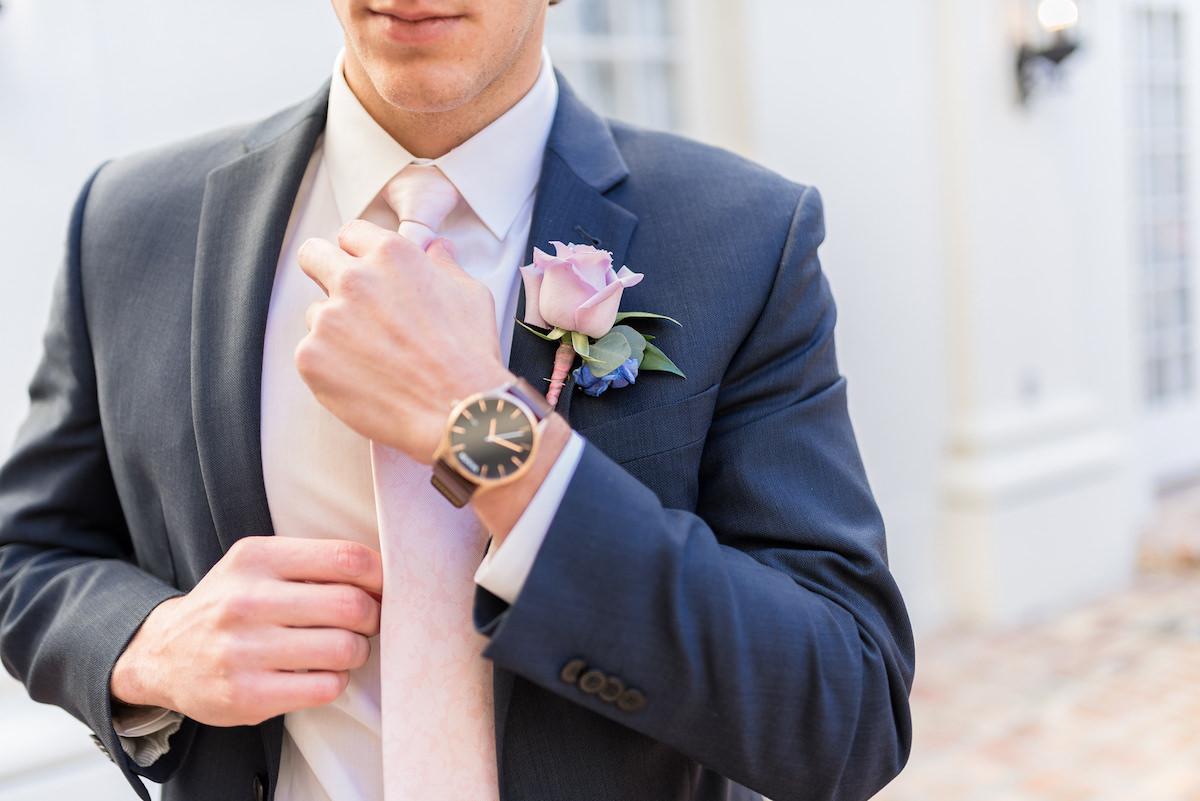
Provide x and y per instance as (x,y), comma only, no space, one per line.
(576,294)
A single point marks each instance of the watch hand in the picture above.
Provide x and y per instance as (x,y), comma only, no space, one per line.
(492,429)
(509,435)
(512,446)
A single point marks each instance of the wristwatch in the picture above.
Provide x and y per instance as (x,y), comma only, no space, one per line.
(491,439)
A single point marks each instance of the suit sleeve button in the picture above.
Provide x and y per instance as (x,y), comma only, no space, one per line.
(100,744)
(593,682)
(612,690)
(572,671)
(631,701)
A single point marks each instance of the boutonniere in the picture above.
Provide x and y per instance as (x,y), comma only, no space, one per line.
(576,295)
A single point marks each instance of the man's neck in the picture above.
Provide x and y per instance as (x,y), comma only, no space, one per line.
(432,134)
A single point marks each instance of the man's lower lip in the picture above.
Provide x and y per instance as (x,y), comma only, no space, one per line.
(416,32)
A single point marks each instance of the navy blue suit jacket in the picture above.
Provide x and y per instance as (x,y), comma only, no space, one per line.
(718,550)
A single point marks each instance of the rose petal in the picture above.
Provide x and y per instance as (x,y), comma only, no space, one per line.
(531,276)
(595,266)
(563,291)
(540,258)
(629,278)
(596,316)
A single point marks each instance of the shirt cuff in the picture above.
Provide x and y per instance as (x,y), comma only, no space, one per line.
(504,569)
(144,733)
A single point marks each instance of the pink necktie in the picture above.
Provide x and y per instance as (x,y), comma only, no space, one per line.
(439,739)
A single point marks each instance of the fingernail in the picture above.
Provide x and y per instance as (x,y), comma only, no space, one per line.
(448,246)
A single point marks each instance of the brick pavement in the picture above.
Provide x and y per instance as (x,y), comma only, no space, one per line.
(1101,703)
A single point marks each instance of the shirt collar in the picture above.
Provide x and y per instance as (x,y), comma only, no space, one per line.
(495,171)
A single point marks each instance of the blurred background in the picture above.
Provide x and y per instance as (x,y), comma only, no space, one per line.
(1011,215)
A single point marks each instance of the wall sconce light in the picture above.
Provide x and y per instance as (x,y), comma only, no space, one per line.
(1056,18)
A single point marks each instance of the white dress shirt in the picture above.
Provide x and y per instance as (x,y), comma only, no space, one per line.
(316,470)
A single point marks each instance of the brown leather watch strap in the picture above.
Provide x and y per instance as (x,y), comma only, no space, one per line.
(535,400)
(456,488)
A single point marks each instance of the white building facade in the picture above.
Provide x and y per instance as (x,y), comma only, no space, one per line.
(1017,281)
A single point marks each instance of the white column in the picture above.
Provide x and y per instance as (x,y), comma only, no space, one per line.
(1039,496)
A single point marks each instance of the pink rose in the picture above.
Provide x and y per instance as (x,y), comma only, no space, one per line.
(576,289)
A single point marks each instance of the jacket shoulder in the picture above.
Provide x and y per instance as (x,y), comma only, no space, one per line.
(702,177)
(173,176)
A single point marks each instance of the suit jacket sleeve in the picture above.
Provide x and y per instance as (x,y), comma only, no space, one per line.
(65,551)
(737,580)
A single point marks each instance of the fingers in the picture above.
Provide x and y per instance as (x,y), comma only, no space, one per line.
(319,261)
(323,561)
(444,255)
(304,605)
(360,244)
(272,694)
(311,313)
(326,263)
(313,649)
(249,698)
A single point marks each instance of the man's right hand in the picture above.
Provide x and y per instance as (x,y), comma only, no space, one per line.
(275,626)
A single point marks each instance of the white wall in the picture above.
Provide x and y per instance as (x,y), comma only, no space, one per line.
(82,81)
(844,96)
(1042,497)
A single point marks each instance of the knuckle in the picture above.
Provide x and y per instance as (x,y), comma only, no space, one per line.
(329,685)
(307,358)
(394,247)
(246,552)
(353,282)
(351,558)
(344,651)
(352,605)
(362,652)
(235,608)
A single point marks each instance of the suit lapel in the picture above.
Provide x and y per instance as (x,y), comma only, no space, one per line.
(247,204)
(580,165)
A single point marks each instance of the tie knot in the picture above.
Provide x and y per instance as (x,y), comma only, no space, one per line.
(422,197)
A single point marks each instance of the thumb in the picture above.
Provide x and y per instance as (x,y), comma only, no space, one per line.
(444,255)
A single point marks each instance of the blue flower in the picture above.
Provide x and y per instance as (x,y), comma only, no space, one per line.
(623,376)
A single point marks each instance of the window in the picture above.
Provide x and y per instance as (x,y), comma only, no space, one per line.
(621,56)
(1164,236)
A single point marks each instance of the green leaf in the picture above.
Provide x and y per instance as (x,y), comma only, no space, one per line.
(554,336)
(608,353)
(580,343)
(621,316)
(655,359)
(637,342)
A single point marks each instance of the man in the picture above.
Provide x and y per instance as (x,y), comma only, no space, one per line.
(698,602)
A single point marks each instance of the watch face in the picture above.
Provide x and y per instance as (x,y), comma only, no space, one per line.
(491,439)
